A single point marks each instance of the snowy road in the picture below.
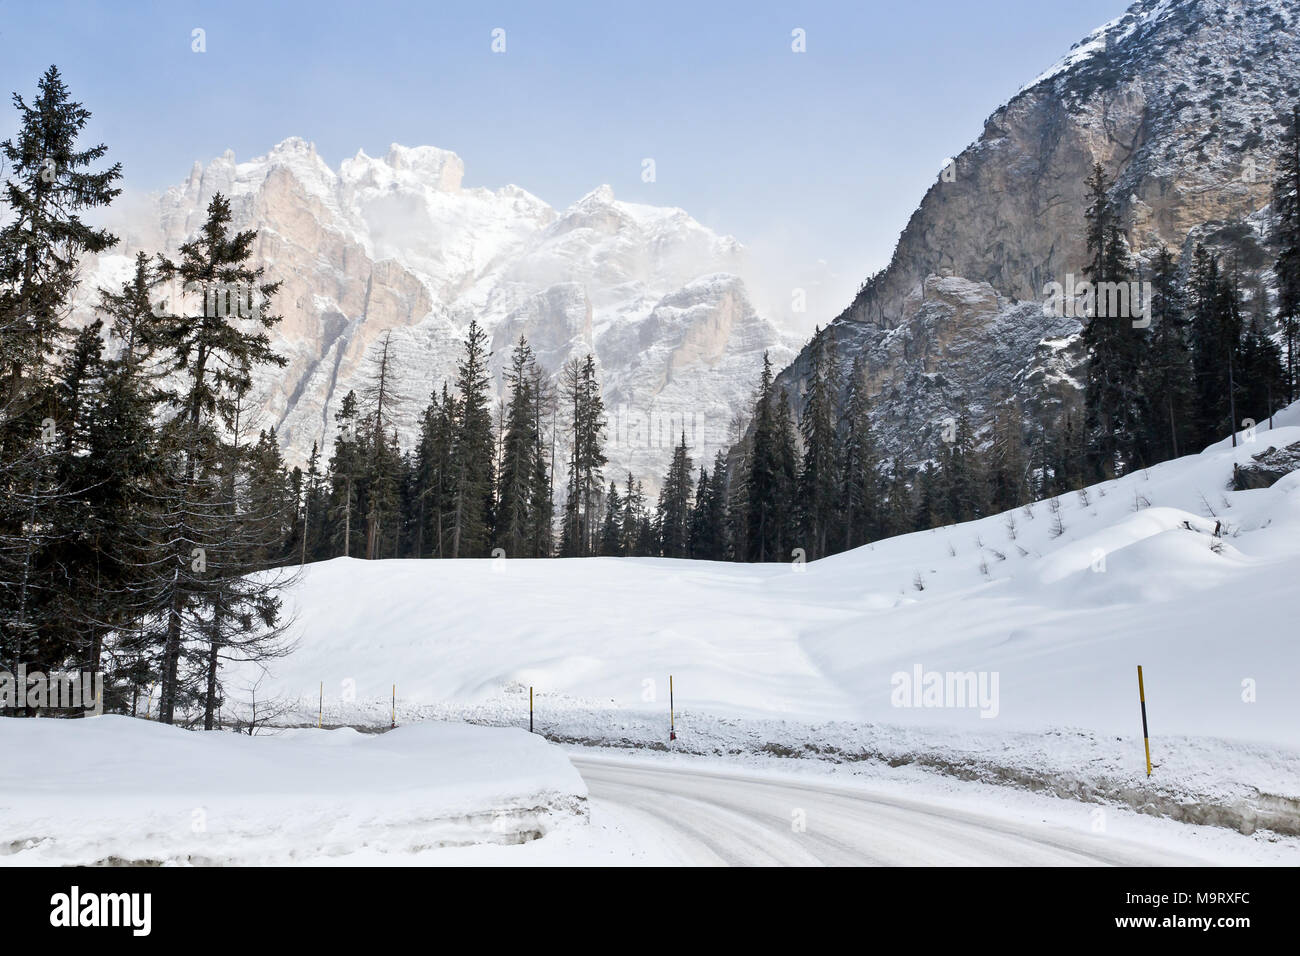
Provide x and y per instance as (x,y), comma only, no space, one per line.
(709,818)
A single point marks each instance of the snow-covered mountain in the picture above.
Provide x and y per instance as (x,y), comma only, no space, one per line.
(398,245)
(1181,101)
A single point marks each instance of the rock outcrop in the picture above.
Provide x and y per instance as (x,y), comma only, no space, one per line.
(1181,101)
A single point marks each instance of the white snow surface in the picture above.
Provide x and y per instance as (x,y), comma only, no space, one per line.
(799,660)
(1136,576)
(117,790)
(771,664)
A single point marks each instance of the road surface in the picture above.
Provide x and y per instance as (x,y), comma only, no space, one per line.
(713,818)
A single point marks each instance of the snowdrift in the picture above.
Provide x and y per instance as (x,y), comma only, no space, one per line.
(113,790)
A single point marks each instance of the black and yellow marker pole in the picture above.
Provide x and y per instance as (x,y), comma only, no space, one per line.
(672,714)
(320,706)
(530,708)
(393,725)
(1146,740)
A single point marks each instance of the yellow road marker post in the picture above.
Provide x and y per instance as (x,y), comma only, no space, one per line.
(1146,740)
(672,711)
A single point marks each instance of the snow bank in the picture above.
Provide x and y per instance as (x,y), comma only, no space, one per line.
(118,790)
(1053,605)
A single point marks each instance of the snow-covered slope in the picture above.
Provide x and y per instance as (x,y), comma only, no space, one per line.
(396,244)
(117,791)
(1060,606)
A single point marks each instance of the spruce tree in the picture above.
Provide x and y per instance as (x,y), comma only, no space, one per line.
(347,472)
(1111,391)
(380,398)
(787,473)
(1286,237)
(818,476)
(859,468)
(515,496)
(472,486)
(630,520)
(717,518)
(700,545)
(1007,470)
(611,544)
(762,476)
(674,511)
(586,456)
(1167,380)
(50,184)
(212,351)
(1214,335)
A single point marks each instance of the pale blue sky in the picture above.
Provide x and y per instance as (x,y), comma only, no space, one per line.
(822,155)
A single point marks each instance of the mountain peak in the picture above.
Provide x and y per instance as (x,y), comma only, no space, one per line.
(602,195)
(438,167)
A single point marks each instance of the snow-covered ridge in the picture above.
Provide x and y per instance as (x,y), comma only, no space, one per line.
(1141,15)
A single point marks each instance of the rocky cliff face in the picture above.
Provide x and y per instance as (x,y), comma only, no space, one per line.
(396,248)
(1181,101)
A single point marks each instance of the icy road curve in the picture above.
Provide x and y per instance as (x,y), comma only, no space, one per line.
(707,818)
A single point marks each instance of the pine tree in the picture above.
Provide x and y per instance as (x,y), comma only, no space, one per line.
(859,467)
(1167,379)
(964,484)
(586,457)
(347,471)
(541,502)
(630,520)
(611,544)
(674,511)
(818,476)
(900,510)
(931,507)
(1111,392)
(43,235)
(699,545)
(1008,471)
(120,466)
(381,399)
(1215,336)
(212,354)
(762,477)
(1286,236)
(313,509)
(515,494)
(472,483)
(42,238)
(1262,377)
(787,462)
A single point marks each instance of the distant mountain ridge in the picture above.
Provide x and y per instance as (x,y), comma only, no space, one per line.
(398,245)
